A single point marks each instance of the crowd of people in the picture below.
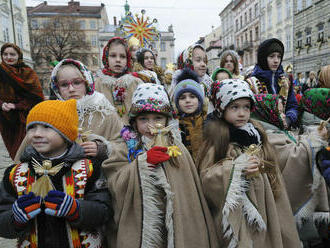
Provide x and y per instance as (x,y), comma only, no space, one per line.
(135,156)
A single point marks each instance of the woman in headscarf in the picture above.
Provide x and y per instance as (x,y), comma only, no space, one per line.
(20,90)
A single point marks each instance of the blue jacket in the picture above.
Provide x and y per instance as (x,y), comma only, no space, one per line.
(271,79)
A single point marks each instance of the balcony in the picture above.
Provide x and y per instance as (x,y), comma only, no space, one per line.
(247,46)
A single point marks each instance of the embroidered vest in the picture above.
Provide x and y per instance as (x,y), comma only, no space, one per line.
(74,182)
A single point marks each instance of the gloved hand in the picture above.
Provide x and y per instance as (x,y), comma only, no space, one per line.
(26,207)
(59,204)
(323,162)
(157,155)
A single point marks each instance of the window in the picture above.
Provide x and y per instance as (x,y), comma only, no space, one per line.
(82,24)
(279,13)
(236,22)
(19,29)
(257,33)
(309,3)
(251,36)
(288,9)
(320,35)
(250,14)
(263,23)
(163,63)
(269,15)
(34,23)
(162,46)
(299,40)
(17,3)
(245,18)
(299,5)
(5,28)
(288,41)
(241,21)
(256,10)
(246,37)
(92,24)
(308,36)
(237,42)
(93,40)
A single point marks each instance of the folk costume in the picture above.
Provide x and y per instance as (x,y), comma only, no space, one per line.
(266,81)
(156,205)
(19,84)
(248,210)
(70,174)
(191,125)
(117,87)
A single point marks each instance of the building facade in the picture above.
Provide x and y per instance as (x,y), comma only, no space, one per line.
(227,27)
(246,30)
(14,26)
(92,19)
(311,35)
(276,21)
(213,46)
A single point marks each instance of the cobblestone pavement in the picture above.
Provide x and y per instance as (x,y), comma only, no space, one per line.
(5,161)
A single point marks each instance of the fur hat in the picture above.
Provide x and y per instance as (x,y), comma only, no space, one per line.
(187,81)
(215,73)
(266,48)
(62,116)
(81,67)
(229,90)
(151,98)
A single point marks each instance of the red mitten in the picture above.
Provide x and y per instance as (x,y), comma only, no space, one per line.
(157,155)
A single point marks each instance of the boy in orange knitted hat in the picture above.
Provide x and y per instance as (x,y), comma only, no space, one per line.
(55,197)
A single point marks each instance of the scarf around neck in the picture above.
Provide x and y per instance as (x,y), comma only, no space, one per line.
(245,135)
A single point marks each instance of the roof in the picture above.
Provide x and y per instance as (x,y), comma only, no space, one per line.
(72,9)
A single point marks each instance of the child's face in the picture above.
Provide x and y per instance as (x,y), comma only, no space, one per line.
(71,84)
(274,60)
(199,61)
(229,63)
(117,58)
(222,75)
(144,120)
(188,103)
(10,56)
(237,112)
(46,140)
(149,61)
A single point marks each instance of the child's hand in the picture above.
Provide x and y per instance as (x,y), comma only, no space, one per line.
(7,106)
(90,148)
(59,204)
(157,155)
(323,132)
(253,166)
(26,207)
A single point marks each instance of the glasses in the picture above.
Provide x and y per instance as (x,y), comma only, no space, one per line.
(75,83)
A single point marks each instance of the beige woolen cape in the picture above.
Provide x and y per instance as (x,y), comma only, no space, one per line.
(245,211)
(105,84)
(305,186)
(146,201)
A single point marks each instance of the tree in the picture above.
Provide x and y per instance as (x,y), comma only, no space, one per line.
(58,38)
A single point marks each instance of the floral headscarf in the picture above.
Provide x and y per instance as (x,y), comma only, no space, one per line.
(185,58)
(317,102)
(81,67)
(105,58)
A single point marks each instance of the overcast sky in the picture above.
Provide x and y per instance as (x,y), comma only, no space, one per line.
(191,19)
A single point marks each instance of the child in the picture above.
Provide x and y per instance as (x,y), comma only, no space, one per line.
(240,178)
(54,197)
(114,80)
(188,98)
(267,77)
(146,68)
(195,58)
(157,198)
(230,60)
(220,74)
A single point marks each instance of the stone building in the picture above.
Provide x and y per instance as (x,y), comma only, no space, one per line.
(92,19)
(246,30)
(14,26)
(213,46)
(227,27)
(276,21)
(311,35)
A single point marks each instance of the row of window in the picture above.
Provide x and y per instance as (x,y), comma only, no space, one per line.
(247,37)
(35,24)
(308,36)
(301,6)
(6,27)
(239,22)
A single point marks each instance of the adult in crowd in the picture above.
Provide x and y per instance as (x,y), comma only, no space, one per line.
(311,80)
(20,90)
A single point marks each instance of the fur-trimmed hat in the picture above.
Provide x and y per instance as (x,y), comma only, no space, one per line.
(62,116)
(229,90)
(188,81)
(151,98)
(266,48)
(81,67)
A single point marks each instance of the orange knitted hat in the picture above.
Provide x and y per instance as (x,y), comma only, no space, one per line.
(62,116)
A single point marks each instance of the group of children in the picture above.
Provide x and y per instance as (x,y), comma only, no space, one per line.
(151,167)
